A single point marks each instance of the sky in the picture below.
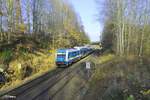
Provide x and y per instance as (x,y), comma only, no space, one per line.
(87,9)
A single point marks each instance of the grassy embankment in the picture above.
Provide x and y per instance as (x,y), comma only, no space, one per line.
(25,61)
(125,78)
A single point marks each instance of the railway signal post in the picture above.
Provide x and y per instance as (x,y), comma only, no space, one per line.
(88,67)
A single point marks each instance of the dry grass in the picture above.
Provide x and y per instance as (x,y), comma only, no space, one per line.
(102,59)
(29,66)
(121,79)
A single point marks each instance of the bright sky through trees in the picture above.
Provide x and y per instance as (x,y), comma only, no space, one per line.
(87,9)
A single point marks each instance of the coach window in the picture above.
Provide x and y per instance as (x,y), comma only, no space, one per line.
(74,53)
(69,55)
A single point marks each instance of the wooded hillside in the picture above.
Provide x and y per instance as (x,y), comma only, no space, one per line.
(53,23)
(30,33)
(127,26)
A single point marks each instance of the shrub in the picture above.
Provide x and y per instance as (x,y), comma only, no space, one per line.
(131,97)
(6,56)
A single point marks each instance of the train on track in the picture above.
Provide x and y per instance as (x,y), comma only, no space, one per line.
(66,57)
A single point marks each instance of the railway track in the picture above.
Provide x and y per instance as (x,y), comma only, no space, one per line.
(28,86)
(68,76)
(33,89)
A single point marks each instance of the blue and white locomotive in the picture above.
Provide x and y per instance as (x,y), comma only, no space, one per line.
(68,56)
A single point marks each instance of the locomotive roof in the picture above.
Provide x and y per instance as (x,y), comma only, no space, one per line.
(79,48)
(64,50)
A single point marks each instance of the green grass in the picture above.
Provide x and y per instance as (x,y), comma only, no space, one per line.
(6,56)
